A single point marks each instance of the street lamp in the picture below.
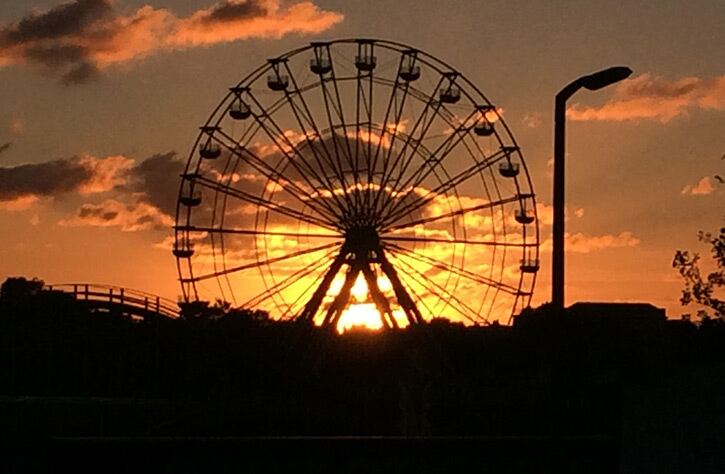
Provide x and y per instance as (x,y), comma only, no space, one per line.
(592,82)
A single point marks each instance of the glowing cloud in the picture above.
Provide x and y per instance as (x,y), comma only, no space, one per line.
(701,188)
(584,243)
(653,98)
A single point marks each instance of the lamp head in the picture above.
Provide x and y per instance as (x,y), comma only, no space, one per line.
(606,77)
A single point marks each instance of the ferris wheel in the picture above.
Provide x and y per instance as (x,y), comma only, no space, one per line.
(354,182)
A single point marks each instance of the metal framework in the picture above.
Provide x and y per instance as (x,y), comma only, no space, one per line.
(358,172)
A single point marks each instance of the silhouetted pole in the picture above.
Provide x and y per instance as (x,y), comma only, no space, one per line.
(592,82)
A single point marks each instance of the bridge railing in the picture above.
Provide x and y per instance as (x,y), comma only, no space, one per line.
(129,298)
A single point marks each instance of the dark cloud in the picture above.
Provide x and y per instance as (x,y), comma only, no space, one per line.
(80,74)
(67,19)
(230,11)
(83,175)
(4,147)
(56,56)
(76,40)
(129,217)
(157,178)
(89,210)
(43,179)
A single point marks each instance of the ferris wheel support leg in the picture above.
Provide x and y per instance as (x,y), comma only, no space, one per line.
(379,298)
(340,301)
(404,299)
(313,305)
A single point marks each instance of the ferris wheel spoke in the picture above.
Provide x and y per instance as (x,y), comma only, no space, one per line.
(217,230)
(271,174)
(416,296)
(269,205)
(436,157)
(303,114)
(392,101)
(356,157)
(397,249)
(399,106)
(275,134)
(458,179)
(439,291)
(388,175)
(340,110)
(337,152)
(322,221)
(322,52)
(459,212)
(303,295)
(260,263)
(287,282)
(369,141)
(490,243)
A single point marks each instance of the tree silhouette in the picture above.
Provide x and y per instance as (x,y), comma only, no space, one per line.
(20,288)
(703,291)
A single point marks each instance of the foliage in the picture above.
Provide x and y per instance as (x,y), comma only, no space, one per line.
(204,310)
(703,290)
(19,288)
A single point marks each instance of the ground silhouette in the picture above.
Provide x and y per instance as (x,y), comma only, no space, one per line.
(586,390)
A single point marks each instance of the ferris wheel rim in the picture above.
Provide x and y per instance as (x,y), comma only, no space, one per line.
(396,46)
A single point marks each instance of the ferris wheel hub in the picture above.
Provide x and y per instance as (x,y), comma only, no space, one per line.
(363,243)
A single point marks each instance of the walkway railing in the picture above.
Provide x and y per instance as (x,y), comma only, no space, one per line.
(131,301)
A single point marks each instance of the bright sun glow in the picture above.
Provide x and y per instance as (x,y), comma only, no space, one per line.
(359,315)
(360,289)
(362,312)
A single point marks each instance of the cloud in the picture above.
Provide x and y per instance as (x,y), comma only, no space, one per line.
(545,213)
(106,173)
(83,175)
(648,97)
(701,188)
(4,147)
(232,21)
(137,196)
(78,40)
(156,180)
(584,243)
(18,204)
(112,213)
(144,194)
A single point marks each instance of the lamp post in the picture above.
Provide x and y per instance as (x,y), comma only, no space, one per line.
(592,82)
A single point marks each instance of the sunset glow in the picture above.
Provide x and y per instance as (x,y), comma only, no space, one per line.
(361,312)
(360,315)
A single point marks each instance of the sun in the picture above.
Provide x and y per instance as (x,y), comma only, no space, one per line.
(360,315)
(362,312)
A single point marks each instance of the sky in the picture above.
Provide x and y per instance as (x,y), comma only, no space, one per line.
(102,101)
